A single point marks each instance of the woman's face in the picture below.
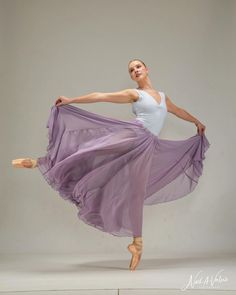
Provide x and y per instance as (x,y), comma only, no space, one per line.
(137,70)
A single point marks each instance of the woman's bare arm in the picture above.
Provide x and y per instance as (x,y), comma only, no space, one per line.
(183,114)
(179,112)
(123,96)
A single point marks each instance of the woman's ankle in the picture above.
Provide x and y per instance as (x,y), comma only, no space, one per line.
(137,239)
(138,242)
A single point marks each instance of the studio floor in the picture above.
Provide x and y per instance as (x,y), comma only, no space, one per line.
(108,274)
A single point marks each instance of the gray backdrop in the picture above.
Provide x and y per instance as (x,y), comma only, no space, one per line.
(51,48)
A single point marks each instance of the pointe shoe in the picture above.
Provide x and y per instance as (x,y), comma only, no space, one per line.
(24,163)
(136,250)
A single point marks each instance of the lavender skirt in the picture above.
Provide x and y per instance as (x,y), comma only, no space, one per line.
(111,168)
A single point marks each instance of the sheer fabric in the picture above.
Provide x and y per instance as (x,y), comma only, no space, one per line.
(111,168)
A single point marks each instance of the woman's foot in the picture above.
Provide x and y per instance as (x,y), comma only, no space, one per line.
(24,163)
(136,250)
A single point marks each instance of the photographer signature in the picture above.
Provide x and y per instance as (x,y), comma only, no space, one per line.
(207,282)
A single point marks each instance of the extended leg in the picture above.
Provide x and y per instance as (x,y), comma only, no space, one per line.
(24,163)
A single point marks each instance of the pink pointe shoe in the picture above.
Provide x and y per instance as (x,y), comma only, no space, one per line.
(24,163)
(136,250)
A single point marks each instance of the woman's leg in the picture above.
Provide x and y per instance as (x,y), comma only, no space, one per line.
(136,250)
(24,163)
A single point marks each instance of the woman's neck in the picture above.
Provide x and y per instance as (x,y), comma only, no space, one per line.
(145,84)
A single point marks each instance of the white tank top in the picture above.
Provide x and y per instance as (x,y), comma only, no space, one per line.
(149,112)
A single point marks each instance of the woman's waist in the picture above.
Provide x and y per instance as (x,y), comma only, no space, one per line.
(153,127)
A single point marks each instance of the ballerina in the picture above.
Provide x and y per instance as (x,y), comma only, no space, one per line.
(136,140)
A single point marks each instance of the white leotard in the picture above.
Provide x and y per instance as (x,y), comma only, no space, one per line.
(149,112)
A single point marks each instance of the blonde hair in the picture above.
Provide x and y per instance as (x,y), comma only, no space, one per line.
(138,60)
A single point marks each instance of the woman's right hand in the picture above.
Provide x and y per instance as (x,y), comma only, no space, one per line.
(62,100)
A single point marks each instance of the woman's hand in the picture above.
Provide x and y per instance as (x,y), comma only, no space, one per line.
(62,100)
(200,128)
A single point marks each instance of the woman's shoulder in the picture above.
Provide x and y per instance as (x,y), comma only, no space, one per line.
(135,94)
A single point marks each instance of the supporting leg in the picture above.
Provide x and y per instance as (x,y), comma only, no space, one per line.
(136,250)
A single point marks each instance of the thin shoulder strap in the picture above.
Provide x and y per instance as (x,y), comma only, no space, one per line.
(137,90)
(163,95)
(139,93)
(163,99)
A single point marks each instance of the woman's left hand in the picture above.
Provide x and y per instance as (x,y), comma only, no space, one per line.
(200,128)
(62,100)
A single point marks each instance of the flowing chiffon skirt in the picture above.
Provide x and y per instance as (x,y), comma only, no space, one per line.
(111,168)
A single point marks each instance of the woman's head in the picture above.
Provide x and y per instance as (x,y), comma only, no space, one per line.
(136,60)
(137,69)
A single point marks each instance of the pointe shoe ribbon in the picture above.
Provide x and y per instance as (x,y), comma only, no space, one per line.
(24,163)
(136,250)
